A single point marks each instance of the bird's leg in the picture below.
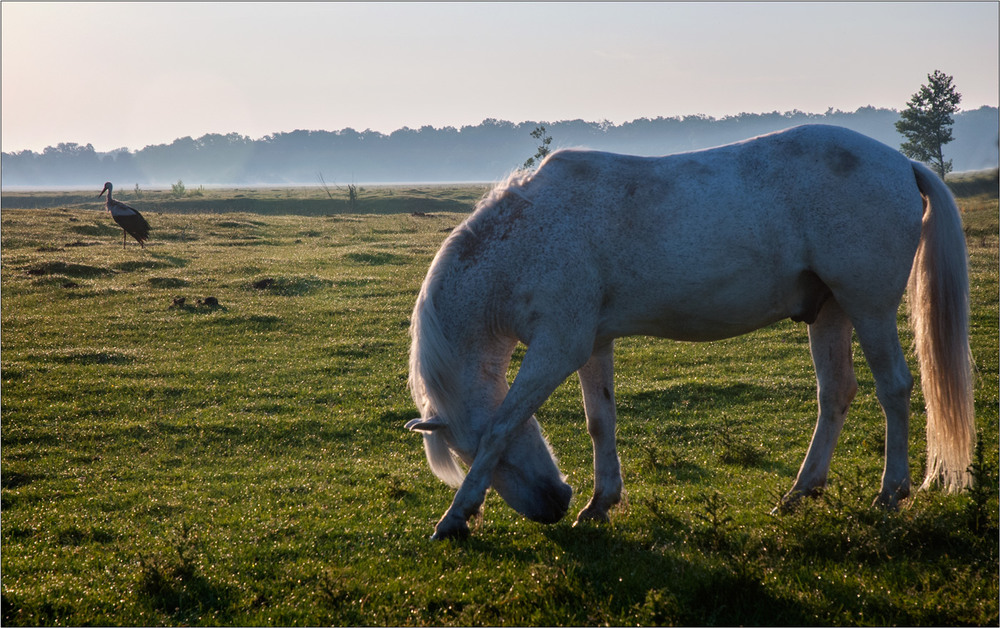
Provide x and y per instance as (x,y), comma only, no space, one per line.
(124,235)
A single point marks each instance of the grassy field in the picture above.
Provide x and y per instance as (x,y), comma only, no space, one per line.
(245,462)
(298,201)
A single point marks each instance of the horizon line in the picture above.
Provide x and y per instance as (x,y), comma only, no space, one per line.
(681,118)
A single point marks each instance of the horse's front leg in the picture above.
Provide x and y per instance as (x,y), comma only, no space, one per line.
(467,502)
(548,361)
(597,382)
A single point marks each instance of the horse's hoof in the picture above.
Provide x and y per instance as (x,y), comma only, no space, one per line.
(588,515)
(456,531)
(886,502)
(795,498)
(785,506)
(889,499)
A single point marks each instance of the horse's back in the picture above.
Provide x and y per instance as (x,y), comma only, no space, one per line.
(696,245)
(817,175)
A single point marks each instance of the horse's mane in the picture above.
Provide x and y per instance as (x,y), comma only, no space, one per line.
(432,368)
(514,183)
(433,363)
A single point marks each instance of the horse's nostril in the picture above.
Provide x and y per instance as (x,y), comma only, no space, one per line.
(555,503)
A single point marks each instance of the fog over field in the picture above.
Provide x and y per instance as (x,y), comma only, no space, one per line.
(484,152)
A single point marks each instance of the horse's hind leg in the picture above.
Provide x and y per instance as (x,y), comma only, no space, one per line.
(830,346)
(879,339)
(597,382)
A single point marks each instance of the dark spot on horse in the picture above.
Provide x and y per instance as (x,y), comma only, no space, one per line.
(468,245)
(514,211)
(695,168)
(583,170)
(814,294)
(842,162)
(792,149)
(607,298)
(577,164)
(494,224)
(607,393)
(630,189)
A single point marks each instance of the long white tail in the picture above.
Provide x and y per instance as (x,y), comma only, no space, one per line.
(939,315)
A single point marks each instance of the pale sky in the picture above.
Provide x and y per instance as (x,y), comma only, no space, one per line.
(134,74)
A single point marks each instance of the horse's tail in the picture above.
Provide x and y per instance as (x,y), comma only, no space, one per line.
(432,379)
(939,315)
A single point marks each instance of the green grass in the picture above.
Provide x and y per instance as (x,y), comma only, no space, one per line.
(246,463)
(301,201)
(976,183)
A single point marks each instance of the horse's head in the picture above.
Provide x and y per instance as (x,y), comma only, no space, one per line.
(526,476)
(528,479)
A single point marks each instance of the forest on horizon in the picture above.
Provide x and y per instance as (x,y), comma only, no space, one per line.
(480,153)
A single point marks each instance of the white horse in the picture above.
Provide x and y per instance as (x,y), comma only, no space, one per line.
(817,223)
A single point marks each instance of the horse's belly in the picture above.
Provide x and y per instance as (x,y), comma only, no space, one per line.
(697,328)
(723,311)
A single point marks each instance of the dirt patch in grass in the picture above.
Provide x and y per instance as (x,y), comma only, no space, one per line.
(168,282)
(68,269)
(290,286)
(96,230)
(141,265)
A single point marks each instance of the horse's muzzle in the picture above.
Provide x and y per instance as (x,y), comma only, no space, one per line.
(551,503)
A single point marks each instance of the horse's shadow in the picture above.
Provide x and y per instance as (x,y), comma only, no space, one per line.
(656,429)
(689,397)
(649,578)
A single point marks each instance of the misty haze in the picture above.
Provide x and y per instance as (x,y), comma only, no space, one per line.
(484,152)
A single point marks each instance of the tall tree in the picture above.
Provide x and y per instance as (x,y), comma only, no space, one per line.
(926,122)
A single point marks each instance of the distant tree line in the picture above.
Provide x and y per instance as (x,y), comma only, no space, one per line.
(484,152)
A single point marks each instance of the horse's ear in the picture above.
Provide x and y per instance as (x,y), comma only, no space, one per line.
(426,425)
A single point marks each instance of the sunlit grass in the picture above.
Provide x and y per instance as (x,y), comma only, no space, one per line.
(245,462)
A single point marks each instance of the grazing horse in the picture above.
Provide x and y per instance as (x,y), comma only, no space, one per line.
(816,223)
(127,217)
